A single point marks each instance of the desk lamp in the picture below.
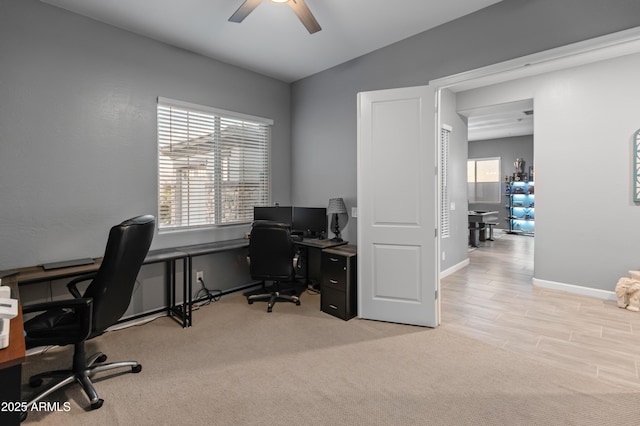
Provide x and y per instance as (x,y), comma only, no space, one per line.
(338,211)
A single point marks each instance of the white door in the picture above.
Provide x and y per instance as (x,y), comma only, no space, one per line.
(397,206)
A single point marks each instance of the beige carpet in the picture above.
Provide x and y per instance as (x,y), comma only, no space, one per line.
(239,365)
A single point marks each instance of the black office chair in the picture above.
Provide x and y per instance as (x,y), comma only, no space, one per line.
(272,257)
(72,322)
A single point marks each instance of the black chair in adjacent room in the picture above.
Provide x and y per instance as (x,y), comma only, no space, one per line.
(105,300)
(272,257)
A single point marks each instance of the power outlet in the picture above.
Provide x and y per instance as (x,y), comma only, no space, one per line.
(200,276)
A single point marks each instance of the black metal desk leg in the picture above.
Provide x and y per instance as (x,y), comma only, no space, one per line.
(182,313)
(170,279)
(187,264)
(305,263)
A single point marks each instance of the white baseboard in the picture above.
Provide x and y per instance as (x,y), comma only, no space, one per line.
(576,289)
(454,268)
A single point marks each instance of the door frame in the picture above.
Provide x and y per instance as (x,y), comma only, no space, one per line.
(585,52)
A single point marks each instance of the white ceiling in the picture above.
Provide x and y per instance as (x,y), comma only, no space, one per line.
(500,121)
(271,40)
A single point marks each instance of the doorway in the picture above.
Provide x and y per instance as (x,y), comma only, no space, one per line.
(560,83)
(500,172)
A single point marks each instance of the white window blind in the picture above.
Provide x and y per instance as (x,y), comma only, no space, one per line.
(445,136)
(213,165)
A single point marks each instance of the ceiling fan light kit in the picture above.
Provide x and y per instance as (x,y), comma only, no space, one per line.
(299,7)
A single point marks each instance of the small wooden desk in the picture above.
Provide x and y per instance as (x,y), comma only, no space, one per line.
(37,274)
(180,312)
(11,359)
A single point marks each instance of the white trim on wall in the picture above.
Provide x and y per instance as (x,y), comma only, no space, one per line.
(575,289)
(455,268)
(585,52)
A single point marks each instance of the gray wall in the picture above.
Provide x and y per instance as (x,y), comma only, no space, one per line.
(324,105)
(508,149)
(78,138)
(78,129)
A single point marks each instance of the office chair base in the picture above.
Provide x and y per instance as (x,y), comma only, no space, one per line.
(82,377)
(272,298)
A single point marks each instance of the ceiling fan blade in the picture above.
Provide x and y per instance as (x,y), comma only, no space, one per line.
(304,14)
(245,9)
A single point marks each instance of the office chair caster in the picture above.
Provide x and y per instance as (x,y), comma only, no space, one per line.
(97,404)
(35,383)
(136,369)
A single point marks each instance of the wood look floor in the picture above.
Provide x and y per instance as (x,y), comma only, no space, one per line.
(494,300)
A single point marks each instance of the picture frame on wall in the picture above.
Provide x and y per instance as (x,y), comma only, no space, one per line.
(636,166)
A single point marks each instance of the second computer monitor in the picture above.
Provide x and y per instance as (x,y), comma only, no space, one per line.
(281,214)
(310,221)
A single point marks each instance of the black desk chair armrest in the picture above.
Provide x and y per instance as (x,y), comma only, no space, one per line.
(72,285)
(83,308)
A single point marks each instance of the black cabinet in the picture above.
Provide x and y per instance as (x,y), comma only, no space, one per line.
(338,295)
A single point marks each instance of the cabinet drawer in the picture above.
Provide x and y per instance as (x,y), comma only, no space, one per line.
(333,302)
(334,271)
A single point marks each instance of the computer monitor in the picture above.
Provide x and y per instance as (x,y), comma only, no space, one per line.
(310,221)
(281,214)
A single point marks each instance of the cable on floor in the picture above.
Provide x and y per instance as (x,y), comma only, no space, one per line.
(206,294)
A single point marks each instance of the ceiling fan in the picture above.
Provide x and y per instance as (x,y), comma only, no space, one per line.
(299,8)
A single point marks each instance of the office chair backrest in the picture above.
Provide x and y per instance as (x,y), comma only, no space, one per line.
(271,251)
(111,289)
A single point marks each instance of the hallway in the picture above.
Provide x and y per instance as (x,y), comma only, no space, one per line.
(493,300)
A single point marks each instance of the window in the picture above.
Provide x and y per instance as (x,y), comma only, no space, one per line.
(483,180)
(213,165)
(445,136)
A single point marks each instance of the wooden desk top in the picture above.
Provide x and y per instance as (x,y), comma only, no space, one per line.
(322,244)
(348,250)
(208,248)
(13,354)
(34,274)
